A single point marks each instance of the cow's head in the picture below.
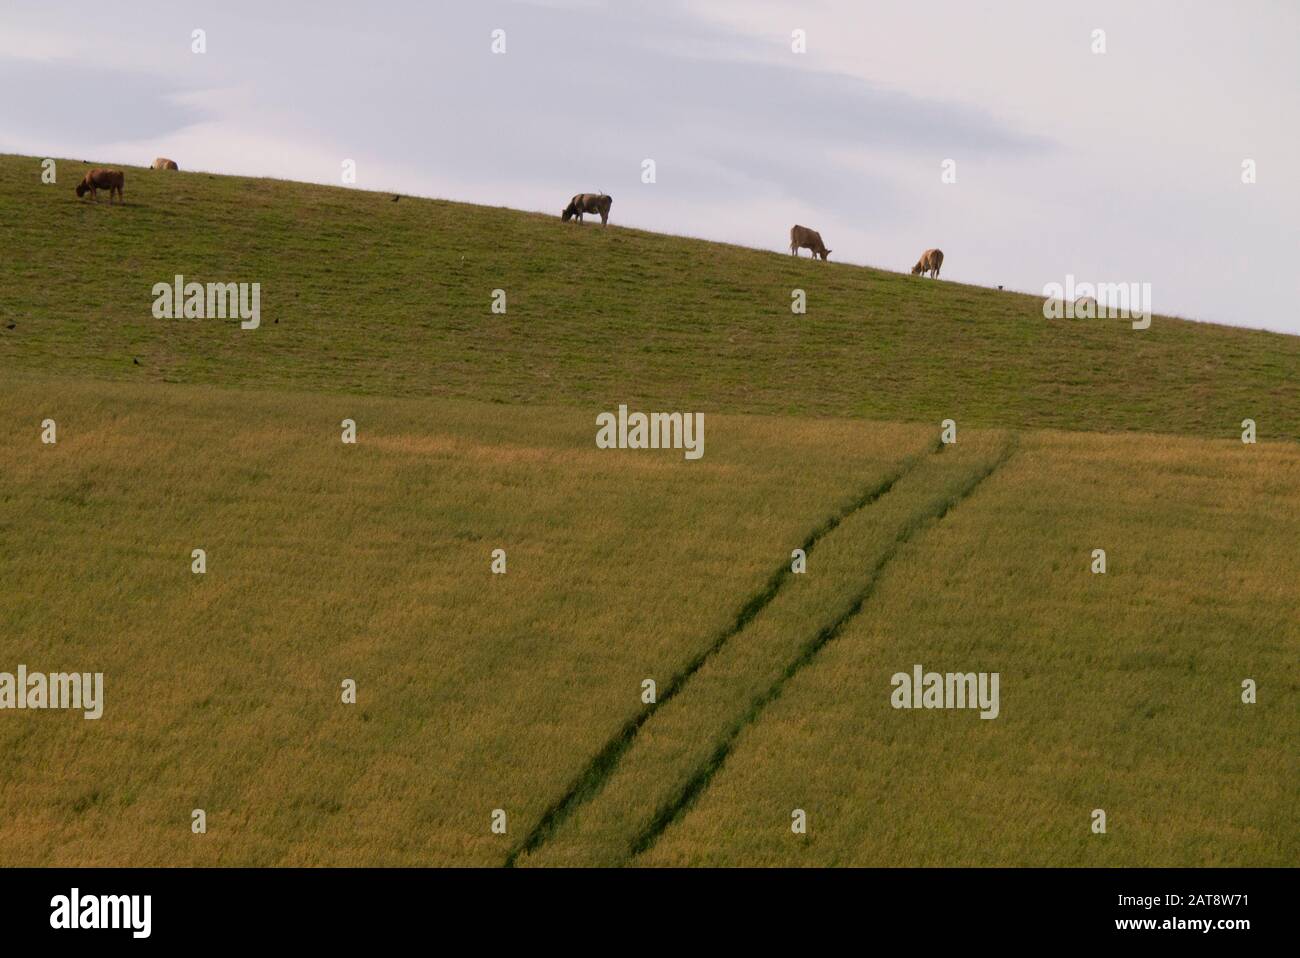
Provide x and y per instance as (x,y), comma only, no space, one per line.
(826,254)
(918,267)
(566,214)
(81,189)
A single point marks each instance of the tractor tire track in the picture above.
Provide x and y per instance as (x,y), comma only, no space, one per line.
(592,778)
(698,782)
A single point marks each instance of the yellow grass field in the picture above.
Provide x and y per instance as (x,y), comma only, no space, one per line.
(477,691)
(328,561)
(1119,691)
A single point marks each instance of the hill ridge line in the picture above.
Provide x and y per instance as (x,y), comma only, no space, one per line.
(547,214)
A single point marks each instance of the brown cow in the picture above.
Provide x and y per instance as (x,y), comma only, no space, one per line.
(801,237)
(162,163)
(111,180)
(588,203)
(929,262)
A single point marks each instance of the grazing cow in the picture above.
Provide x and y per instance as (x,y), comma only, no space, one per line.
(588,203)
(801,237)
(111,180)
(929,262)
(162,163)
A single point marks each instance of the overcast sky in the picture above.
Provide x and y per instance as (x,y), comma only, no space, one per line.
(1124,166)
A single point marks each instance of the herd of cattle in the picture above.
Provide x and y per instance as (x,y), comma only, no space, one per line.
(801,237)
(114,180)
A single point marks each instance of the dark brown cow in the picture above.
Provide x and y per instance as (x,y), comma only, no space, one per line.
(162,163)
(929,262)
(111,180)
(801,237)
(588,203)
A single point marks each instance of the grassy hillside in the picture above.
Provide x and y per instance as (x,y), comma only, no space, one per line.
(362,294)
(525,691)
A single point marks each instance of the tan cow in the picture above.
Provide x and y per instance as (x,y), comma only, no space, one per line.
(588,203)
(162,163)
(929,262)
(801,237)
(111,180)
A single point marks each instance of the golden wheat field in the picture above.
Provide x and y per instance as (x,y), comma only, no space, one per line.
(523,692)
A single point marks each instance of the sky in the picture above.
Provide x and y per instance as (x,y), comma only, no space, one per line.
(1122,166)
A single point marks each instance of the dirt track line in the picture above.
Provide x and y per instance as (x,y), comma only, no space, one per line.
(592,778)
(698,782)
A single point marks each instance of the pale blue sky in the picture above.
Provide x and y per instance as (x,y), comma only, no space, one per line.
(1119,167)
